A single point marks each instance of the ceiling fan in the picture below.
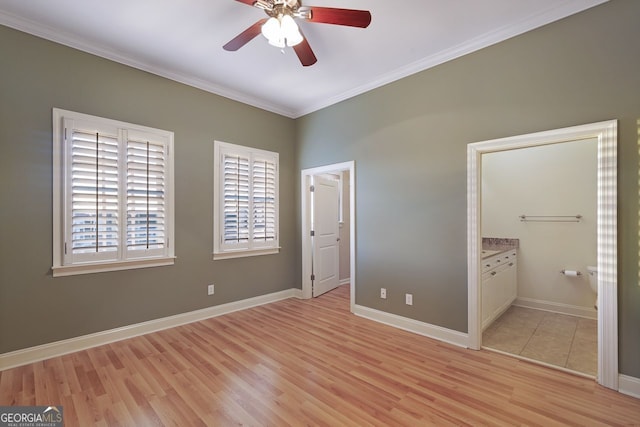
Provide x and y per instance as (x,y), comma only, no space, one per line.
(281,30)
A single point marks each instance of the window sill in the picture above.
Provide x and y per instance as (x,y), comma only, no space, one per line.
(72,270)
(242,253)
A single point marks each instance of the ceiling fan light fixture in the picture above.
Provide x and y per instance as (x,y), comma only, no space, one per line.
(294,38)
(290,30)
(279,43)
(271,29)
(282,31)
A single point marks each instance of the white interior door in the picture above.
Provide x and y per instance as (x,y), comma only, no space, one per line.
(325,237)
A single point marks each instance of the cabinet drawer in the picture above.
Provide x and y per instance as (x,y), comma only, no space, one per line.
(510,256)
(495,270)
(505,258)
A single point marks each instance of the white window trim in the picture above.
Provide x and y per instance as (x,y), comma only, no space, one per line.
(59,268)
(221,252)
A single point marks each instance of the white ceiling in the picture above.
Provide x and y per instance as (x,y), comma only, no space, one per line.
(182,40)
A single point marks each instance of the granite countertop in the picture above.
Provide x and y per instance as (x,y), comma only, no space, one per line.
(495,245)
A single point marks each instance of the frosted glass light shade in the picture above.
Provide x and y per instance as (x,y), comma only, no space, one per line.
(277,42)
(290,30)
(295,39)
(271,29)
(280,30)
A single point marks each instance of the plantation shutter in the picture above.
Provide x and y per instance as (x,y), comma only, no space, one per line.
(236,198)
(146,194)
(112,195)
(264,200)
(94,203)
(245,201)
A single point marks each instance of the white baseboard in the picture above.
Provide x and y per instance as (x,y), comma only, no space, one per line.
(59,348)
(556,307)
(432,331)
(629,385)
(345,281)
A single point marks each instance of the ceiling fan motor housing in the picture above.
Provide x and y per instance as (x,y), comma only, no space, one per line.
(271,6)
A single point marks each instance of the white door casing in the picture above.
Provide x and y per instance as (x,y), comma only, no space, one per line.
(305,226)
(325,240)
(606,133)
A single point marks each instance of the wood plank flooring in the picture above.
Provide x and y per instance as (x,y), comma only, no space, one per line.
(305,363)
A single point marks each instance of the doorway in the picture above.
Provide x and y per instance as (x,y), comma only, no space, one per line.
(530,307)
(606,135)
(307,177)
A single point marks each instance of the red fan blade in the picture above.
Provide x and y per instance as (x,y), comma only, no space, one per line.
(249,2)
(305,53)
(246,36)
(350,17)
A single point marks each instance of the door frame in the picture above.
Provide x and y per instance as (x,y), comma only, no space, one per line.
(305,182)
(606,134)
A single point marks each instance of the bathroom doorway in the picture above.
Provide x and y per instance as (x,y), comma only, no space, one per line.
(542,200)
(605,133)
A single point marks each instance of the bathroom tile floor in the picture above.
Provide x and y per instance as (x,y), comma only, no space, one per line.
(558,339)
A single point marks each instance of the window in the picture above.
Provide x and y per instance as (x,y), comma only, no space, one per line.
(113,195)
(245,201)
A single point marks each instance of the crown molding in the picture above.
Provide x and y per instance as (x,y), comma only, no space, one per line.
(561,9)
(51,34)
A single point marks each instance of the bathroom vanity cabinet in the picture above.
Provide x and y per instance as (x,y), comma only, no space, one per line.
(499,284)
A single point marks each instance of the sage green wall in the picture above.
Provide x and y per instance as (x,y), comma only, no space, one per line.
(37,75)
(409,141)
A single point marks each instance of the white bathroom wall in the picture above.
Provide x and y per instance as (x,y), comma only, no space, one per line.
(557,179)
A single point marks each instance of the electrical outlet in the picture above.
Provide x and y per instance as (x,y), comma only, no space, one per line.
(383,293)
(210,290)
(408,299)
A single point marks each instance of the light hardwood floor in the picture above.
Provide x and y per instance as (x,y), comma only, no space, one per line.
(306,363)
